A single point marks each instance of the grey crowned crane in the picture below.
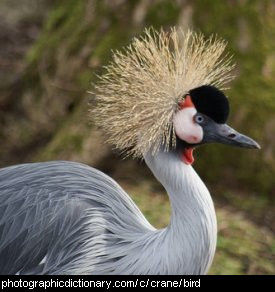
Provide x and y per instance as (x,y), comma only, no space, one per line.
(159,99)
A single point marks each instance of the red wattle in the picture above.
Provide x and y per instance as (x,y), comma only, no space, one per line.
(187,156)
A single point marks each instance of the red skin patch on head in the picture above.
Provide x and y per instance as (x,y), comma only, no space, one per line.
(187,156)
(187,102)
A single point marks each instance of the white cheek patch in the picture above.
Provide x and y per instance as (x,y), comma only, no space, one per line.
(185,127)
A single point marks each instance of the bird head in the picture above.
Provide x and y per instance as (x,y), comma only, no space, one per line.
(164,93)
(201,118)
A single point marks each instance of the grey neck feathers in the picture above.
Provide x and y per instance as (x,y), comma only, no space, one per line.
(189,242)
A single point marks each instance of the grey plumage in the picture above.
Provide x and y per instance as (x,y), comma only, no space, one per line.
(44,210)
(68,218)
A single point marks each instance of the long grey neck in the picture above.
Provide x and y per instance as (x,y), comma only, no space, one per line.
(190,238)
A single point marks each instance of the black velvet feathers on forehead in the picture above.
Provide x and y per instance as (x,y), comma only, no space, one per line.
(211,101)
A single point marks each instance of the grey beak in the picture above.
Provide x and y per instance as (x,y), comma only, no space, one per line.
(222,133)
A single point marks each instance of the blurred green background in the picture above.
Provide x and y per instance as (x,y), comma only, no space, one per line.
(50,52)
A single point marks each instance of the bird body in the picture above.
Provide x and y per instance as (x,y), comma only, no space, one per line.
(74,219)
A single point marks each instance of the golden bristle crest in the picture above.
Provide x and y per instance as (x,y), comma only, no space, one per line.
(139,93)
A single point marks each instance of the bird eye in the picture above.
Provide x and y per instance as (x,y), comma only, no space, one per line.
(199,119)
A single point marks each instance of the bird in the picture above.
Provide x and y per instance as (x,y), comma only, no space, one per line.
(160,98)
